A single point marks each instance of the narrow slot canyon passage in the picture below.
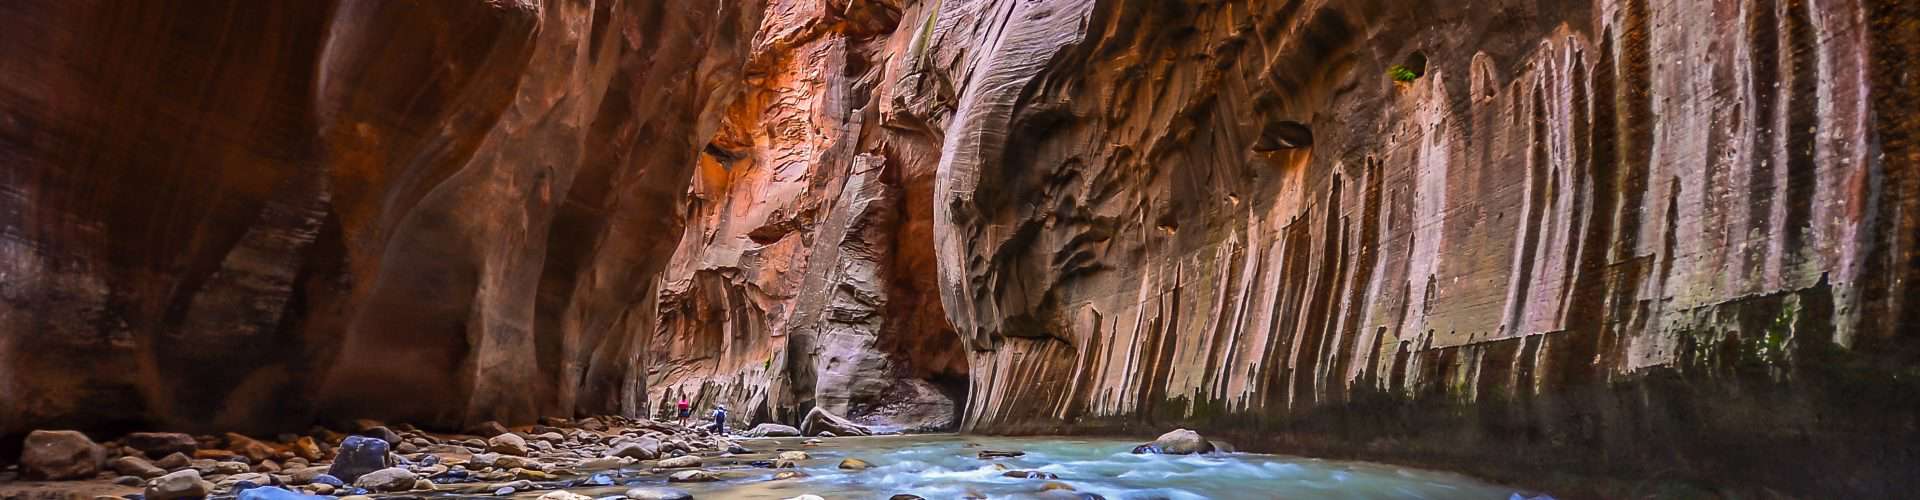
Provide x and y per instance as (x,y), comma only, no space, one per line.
(958,249)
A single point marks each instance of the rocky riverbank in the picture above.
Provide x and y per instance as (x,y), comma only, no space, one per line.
(556,460)
(376,459)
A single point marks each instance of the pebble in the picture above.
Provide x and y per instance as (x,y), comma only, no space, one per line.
(564,495)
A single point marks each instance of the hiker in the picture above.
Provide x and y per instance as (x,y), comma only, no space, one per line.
(686,410)
(720,419)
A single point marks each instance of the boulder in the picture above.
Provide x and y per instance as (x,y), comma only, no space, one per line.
(820,420)
(643,448)
(658,493)
(358,456)
(795,455)
(135,466)
(160,444)
(1176,442)
(508,444)
(693,476)
(60,455)
(564,495)
(390,479)
(383,433)
(679,462)
(854,464)
(182,484)
(992,454)
(174,461)
(788,474)
(487,428)
(305,447)
(251,448)
(772,430)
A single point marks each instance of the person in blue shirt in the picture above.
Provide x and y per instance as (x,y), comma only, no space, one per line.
(720,419)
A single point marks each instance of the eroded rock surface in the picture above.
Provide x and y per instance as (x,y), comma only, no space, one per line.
(1654,228)
(1640,238)
(238,215)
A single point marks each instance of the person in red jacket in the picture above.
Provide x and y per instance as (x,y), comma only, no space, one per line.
(686,410)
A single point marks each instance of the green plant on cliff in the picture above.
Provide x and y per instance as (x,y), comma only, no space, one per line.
(1401,73)
(1771,347)
(925,37)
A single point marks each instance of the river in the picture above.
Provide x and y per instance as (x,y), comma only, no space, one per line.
(948,466)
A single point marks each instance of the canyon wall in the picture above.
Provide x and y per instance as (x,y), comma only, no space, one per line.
(1643,238)
(1568,242)
(251,215)
(804,277)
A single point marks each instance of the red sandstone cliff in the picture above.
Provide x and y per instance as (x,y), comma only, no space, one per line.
(1638,238)
(249,214)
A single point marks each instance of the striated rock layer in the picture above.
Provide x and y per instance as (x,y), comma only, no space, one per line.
(803,279)
(1620,240)
(248,215)
(1644,238)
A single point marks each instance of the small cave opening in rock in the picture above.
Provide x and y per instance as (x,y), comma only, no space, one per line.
(1281,135)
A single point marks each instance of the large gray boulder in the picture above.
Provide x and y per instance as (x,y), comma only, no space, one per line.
(1176,442)
(642,448)
(772,430)
(820,420)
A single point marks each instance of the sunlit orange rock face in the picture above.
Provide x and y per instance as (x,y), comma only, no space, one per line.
(1610,240)
(249,215)
(804,277)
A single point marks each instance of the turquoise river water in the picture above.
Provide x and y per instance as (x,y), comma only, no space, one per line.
(948,466)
